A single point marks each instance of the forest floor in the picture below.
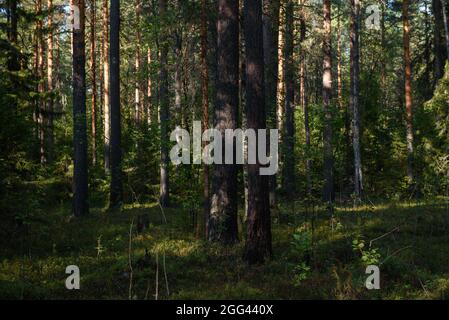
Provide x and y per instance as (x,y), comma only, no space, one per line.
(315,257)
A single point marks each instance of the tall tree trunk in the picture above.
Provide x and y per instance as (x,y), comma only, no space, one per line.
(205,104)
(222,223)
(138,112)
(93,74)
(288,170)
(149,106)
(328,194)
(50,85)
(354,96)
(281,78)
(41,116)
(258,241)
(439,47)
(13,61)
(116,189)
(164,115)
(106,89)
(339,64)
(408,90)
(304,98)
(178,73)
(80,174)
(271,36)
(446,28)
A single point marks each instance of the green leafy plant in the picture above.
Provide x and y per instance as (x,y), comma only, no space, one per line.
(369,256)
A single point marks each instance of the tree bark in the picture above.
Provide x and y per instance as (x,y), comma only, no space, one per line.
(288,169)
(328,194)
(446,28)
(116,189)
(270,20)
(80,174)
(49,138)
(205,106)
(149,107)
(138,112)
(164,115)
(41,112)
(106,89)
(280,77)
(258,242)
(304,99)
(354,95)
(408,91)
(222,223)
(93,74)
(438,45)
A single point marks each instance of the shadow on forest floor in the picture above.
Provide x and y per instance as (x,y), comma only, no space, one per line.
(315,256)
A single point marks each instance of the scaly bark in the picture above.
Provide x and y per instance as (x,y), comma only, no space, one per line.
(80,174)
(116,189)
(258,241)
(222,223)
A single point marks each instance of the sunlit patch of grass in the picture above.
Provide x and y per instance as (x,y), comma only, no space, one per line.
(180,248)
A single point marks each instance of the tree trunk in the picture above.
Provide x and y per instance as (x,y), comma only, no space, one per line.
(439,47)
(304,99)
(205,104)
(116,190)
(408,91)
(41,112)
(258,242)
(106,89)
(271,36)
(164,115)
(138,112)
(93,73)
(288,169)
(222,224)
(354,96)
(446,28)
(80,174)
(49,139)
(149,90)
(328,194)
(281,78)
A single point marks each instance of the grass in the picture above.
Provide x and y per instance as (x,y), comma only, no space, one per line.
(322,262)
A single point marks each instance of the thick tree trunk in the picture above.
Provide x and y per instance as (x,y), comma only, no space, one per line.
(80,174)
(222,223)
(271,36)
(164,115)
(354,96)
(258,242)
(116,189)
(106,89)
(408,91)
(93,74)
(288,169)
(328,194)
(205,105)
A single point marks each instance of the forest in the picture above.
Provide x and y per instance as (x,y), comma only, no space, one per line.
(224,149)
